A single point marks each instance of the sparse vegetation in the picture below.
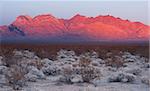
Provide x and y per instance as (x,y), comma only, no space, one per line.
(23,66)
(83,68)
(114,61)
(15,77)
(88,72)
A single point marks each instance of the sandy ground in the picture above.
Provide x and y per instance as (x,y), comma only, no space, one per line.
(47,86)
(43,85)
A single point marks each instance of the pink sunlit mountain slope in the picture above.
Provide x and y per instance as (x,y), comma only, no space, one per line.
(75,29)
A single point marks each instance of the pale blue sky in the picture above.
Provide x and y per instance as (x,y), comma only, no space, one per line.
(134,10)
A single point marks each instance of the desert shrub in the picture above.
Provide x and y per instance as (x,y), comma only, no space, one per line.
(145,80)
(37,63)
(7,56)
(68,72)
(45,53)
(122,77)
(15,60)
(88,72)
(84,69)
(114,61)
(84,62)
(51,70)
(15,77)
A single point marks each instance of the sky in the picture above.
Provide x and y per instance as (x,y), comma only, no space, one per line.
(134,10)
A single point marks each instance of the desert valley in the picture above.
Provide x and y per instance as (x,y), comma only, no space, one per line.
(102,53)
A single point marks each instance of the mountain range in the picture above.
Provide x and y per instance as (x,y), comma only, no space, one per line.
(78,28)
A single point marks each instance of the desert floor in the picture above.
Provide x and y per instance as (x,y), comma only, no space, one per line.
(74,68)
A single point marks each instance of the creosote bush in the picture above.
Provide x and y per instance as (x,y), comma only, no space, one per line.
(15,77)
(114,61)
(68,72)
(38,64)
(84,68)
(88,72)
